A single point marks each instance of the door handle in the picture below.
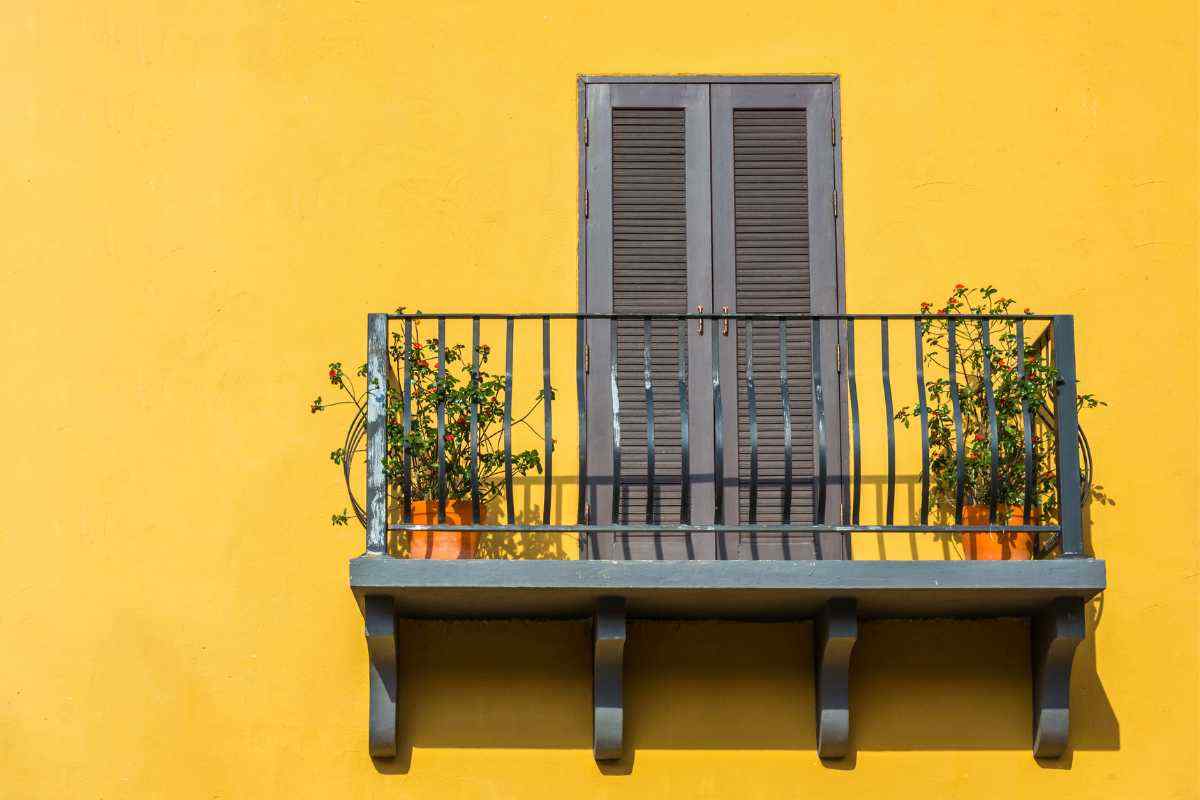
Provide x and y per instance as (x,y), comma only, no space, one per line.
(725,322)
(700,322)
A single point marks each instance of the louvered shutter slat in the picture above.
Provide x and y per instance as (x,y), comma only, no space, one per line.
(772,276)
(649,276)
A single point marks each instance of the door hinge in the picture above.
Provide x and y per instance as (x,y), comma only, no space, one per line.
(587,203)
(835,203)
(587,359)
(833,130)
(837,356)
(587,132)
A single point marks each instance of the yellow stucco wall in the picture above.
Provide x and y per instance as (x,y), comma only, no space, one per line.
(202,201)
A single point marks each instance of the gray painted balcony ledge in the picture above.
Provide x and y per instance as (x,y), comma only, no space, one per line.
(749,590)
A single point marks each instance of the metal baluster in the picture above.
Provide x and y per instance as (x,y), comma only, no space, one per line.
(752,401)
(685,494)
(508,465)
(549,432)
(616,427)
(475,499)
(785,405)
(718,437)
(918,334)
(961,473)
(648,380)
(819,403)
(377,419)
(581,365)
(1066,421)
(1026,425)
(406,468)
(891,423)
(852,380)
(993,432)
(441,419)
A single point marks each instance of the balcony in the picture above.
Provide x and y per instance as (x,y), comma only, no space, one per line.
(712,466)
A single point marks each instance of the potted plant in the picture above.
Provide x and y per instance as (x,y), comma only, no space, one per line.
(1010,389)
(459,389)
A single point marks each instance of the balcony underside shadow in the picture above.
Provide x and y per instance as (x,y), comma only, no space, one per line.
(727,686)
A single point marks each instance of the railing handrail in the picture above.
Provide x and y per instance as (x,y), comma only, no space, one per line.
(1065,425)
(681,528)
(732,315)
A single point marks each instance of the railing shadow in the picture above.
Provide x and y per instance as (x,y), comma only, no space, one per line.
(910,546)
(528,494)
(528,497)
(932,545)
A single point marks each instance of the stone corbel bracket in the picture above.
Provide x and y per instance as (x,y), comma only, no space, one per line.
(608,702)
(1056,631)
(379,614)
(835,632)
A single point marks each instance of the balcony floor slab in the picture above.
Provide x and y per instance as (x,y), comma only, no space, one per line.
(745,590)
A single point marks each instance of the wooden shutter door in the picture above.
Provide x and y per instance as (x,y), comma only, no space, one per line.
(775,252)
(649,250)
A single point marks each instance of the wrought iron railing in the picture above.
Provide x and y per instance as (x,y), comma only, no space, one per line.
(388,501)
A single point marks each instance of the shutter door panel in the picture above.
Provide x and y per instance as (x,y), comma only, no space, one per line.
(773,257)
(770,158)
(655,217)
(649,276)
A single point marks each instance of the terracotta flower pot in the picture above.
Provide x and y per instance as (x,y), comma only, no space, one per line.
(982,546)
(443,545)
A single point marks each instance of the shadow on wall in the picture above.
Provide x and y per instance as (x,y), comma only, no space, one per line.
(929,546)
(529,494)
(916,685)
(1099,497)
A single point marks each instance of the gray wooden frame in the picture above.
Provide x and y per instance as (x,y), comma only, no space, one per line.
(599,293)
(596,98)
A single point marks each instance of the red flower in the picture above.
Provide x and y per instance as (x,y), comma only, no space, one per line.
(1028,311)
(423,364)
(959,286)
(449,439)
(333,374)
